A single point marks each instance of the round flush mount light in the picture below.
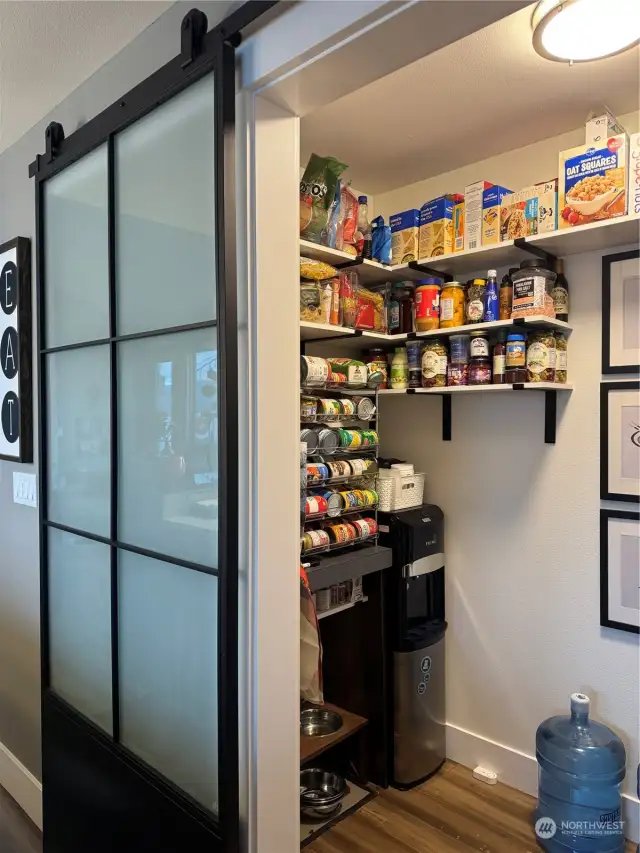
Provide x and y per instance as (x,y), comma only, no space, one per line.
(584,30)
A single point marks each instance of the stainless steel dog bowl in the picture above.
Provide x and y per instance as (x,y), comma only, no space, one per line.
(320,788)
(319,722)
(320,812)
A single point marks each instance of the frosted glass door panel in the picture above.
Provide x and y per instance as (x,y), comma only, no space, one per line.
(168,438)
(80,624)
(165,215)
(78,405)
(76,252)
(168,658)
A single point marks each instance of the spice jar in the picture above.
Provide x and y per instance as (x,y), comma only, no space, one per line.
(515,359)
(452,305)
(541,356)
(561,357)
(427,304)
(434,365)
(479,345)
(476,300)
(480,371)
(499,361)
(459,348)
(532,289)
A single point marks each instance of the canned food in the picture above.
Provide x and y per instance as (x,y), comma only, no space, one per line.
(347,408)
(370,437)
(317,473)
(358,466)
(350,500)
(362,526)
(306,542)
(458,374)
(339,468)
(314,371)
(315,505)
(350,438)
(365,407)
(323,600)
(339,533)
(372,524)
(360,498)
(308,408)
(334,502)
(370,497)
(328,440)
(310,437)
(330,408)
(319,538)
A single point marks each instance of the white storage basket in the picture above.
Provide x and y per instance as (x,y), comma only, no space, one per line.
(397,491)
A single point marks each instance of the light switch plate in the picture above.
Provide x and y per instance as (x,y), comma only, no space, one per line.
(24,489)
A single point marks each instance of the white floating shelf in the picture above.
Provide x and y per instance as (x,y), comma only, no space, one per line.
(535,321)
(483,389)
(369,272)
(341,607)
(313,331)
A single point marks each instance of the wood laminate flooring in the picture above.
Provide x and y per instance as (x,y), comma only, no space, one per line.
(451,813)
(17,833)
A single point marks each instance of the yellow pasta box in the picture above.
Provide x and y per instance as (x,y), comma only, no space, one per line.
(405,229)
(491,202)
(436,226)
(592,182)
(458,225)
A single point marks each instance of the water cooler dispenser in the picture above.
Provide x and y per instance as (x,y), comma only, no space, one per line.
(416,626)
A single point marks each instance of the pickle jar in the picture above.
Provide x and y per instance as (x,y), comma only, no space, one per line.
(434,365)
(541,356)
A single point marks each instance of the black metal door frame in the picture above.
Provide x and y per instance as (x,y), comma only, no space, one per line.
(71,743)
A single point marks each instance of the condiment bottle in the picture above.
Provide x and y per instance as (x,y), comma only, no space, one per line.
(475,300)
(560,293)
(479,345)
(400,370)
(499,361)
(406,309)
(506,296)
(394,310)
(363,232)
(491,304)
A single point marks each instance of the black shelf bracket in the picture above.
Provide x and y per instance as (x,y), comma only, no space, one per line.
(357,334)
(427,270)
(192,34)
(536,251)
(446,417)
(344,265)
(550,416)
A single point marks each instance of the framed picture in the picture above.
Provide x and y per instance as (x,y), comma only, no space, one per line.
(620,441)
(620,312)
(620,570)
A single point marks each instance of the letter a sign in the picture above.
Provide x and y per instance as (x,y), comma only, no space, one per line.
(16,415)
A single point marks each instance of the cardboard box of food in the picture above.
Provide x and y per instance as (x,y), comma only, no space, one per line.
(592,182)
(634,174)
(458,225)
(436,226)
(601,127)
(491,204)
(405,229)
(547,206)
(473,213)
(519,214)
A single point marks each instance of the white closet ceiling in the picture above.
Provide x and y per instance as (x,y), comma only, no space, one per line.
(476,98)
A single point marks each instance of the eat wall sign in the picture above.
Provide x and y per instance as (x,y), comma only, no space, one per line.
(16,402)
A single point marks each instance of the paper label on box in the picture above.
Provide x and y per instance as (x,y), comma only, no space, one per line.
(634,174)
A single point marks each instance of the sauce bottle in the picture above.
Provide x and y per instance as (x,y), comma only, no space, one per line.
(406,309)
(491,305)
(506,297)
(499,361)
(560,293)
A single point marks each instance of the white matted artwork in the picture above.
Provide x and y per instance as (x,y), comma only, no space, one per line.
(621,312)
(620,570)
(620,441)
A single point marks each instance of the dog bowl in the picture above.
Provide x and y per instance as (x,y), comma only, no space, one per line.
(320,788)
(319,722)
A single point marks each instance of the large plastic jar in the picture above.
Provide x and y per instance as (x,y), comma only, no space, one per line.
(427,303)
(581,766)
(532,286)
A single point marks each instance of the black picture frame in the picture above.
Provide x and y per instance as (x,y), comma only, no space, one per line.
(605,389)
(22,246)
(605,516)
(607,262)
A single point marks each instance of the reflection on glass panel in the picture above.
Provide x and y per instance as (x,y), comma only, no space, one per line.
(165,215)
(76,252)
(168,445)
(168,671)
(79,438)
(80,624)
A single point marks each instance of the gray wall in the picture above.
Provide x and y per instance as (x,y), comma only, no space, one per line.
(19,552)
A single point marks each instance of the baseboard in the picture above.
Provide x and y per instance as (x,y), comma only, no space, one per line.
(518,769)
(21,784)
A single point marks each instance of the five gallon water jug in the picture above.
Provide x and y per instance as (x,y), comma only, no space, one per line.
(581,766)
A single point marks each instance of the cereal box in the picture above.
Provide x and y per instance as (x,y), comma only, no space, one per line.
(473,213)
(519,214)
(458,225)
(491,202)
(547,206)
(592,182)
(436,226)
(404,236)
(634,174)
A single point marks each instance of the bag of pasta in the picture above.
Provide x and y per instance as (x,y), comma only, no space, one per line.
(317,195)
(370,313)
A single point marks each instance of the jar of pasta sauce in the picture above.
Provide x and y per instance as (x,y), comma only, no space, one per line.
(480,371)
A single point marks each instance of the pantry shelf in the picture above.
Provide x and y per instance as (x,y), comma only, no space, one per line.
(350,339)
(330,569)
(535,321)
(369,272)
(311,747)
(340,607)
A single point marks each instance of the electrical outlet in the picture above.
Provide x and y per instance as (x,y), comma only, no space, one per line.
(24,489)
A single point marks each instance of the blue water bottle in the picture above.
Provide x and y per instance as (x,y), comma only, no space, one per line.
(581,765)
(491,298)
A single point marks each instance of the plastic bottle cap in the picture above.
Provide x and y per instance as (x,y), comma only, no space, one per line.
(362,199)
(492,273)
(580,703)
(429,281)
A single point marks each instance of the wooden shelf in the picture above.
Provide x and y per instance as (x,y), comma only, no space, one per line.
(311,747)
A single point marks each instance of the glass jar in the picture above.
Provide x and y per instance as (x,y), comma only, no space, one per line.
(480,371)
(476,300)
(458,374)
(479,345)
(405,300)
(541,356)
(515,359)
(532,290)
(427,305)
(561,357)
(434,365)
(452,305)
(378,375)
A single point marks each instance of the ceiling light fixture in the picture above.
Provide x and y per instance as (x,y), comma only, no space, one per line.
(583,30)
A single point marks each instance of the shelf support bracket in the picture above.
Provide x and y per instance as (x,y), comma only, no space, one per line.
(446,417)
(427,270)
(536,251)
(550,416)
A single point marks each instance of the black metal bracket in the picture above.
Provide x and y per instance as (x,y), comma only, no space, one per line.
(192,33)
(536,251)
(550,416)
(446,417)
(356,262)
(53,139)
(427,270)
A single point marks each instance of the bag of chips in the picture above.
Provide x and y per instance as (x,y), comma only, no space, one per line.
(317,194)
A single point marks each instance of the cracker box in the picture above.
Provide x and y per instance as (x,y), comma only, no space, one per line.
(458,225)
(405,229)
(473,213)
(592,182)
(547,206)
(633,194)
(491,204)
(519,214)
(436,226)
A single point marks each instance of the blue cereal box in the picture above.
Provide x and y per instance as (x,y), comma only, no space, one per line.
(592,182)
(491,204)
(436,226)
(404,236)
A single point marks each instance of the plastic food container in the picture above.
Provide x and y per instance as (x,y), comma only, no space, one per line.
(532,286)
(427,305)
(459,345)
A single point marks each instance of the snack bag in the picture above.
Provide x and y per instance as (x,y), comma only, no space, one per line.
(317,193)
(348,220)
(329,234)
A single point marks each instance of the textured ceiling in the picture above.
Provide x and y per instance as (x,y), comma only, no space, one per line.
(485,94)
(48,48)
